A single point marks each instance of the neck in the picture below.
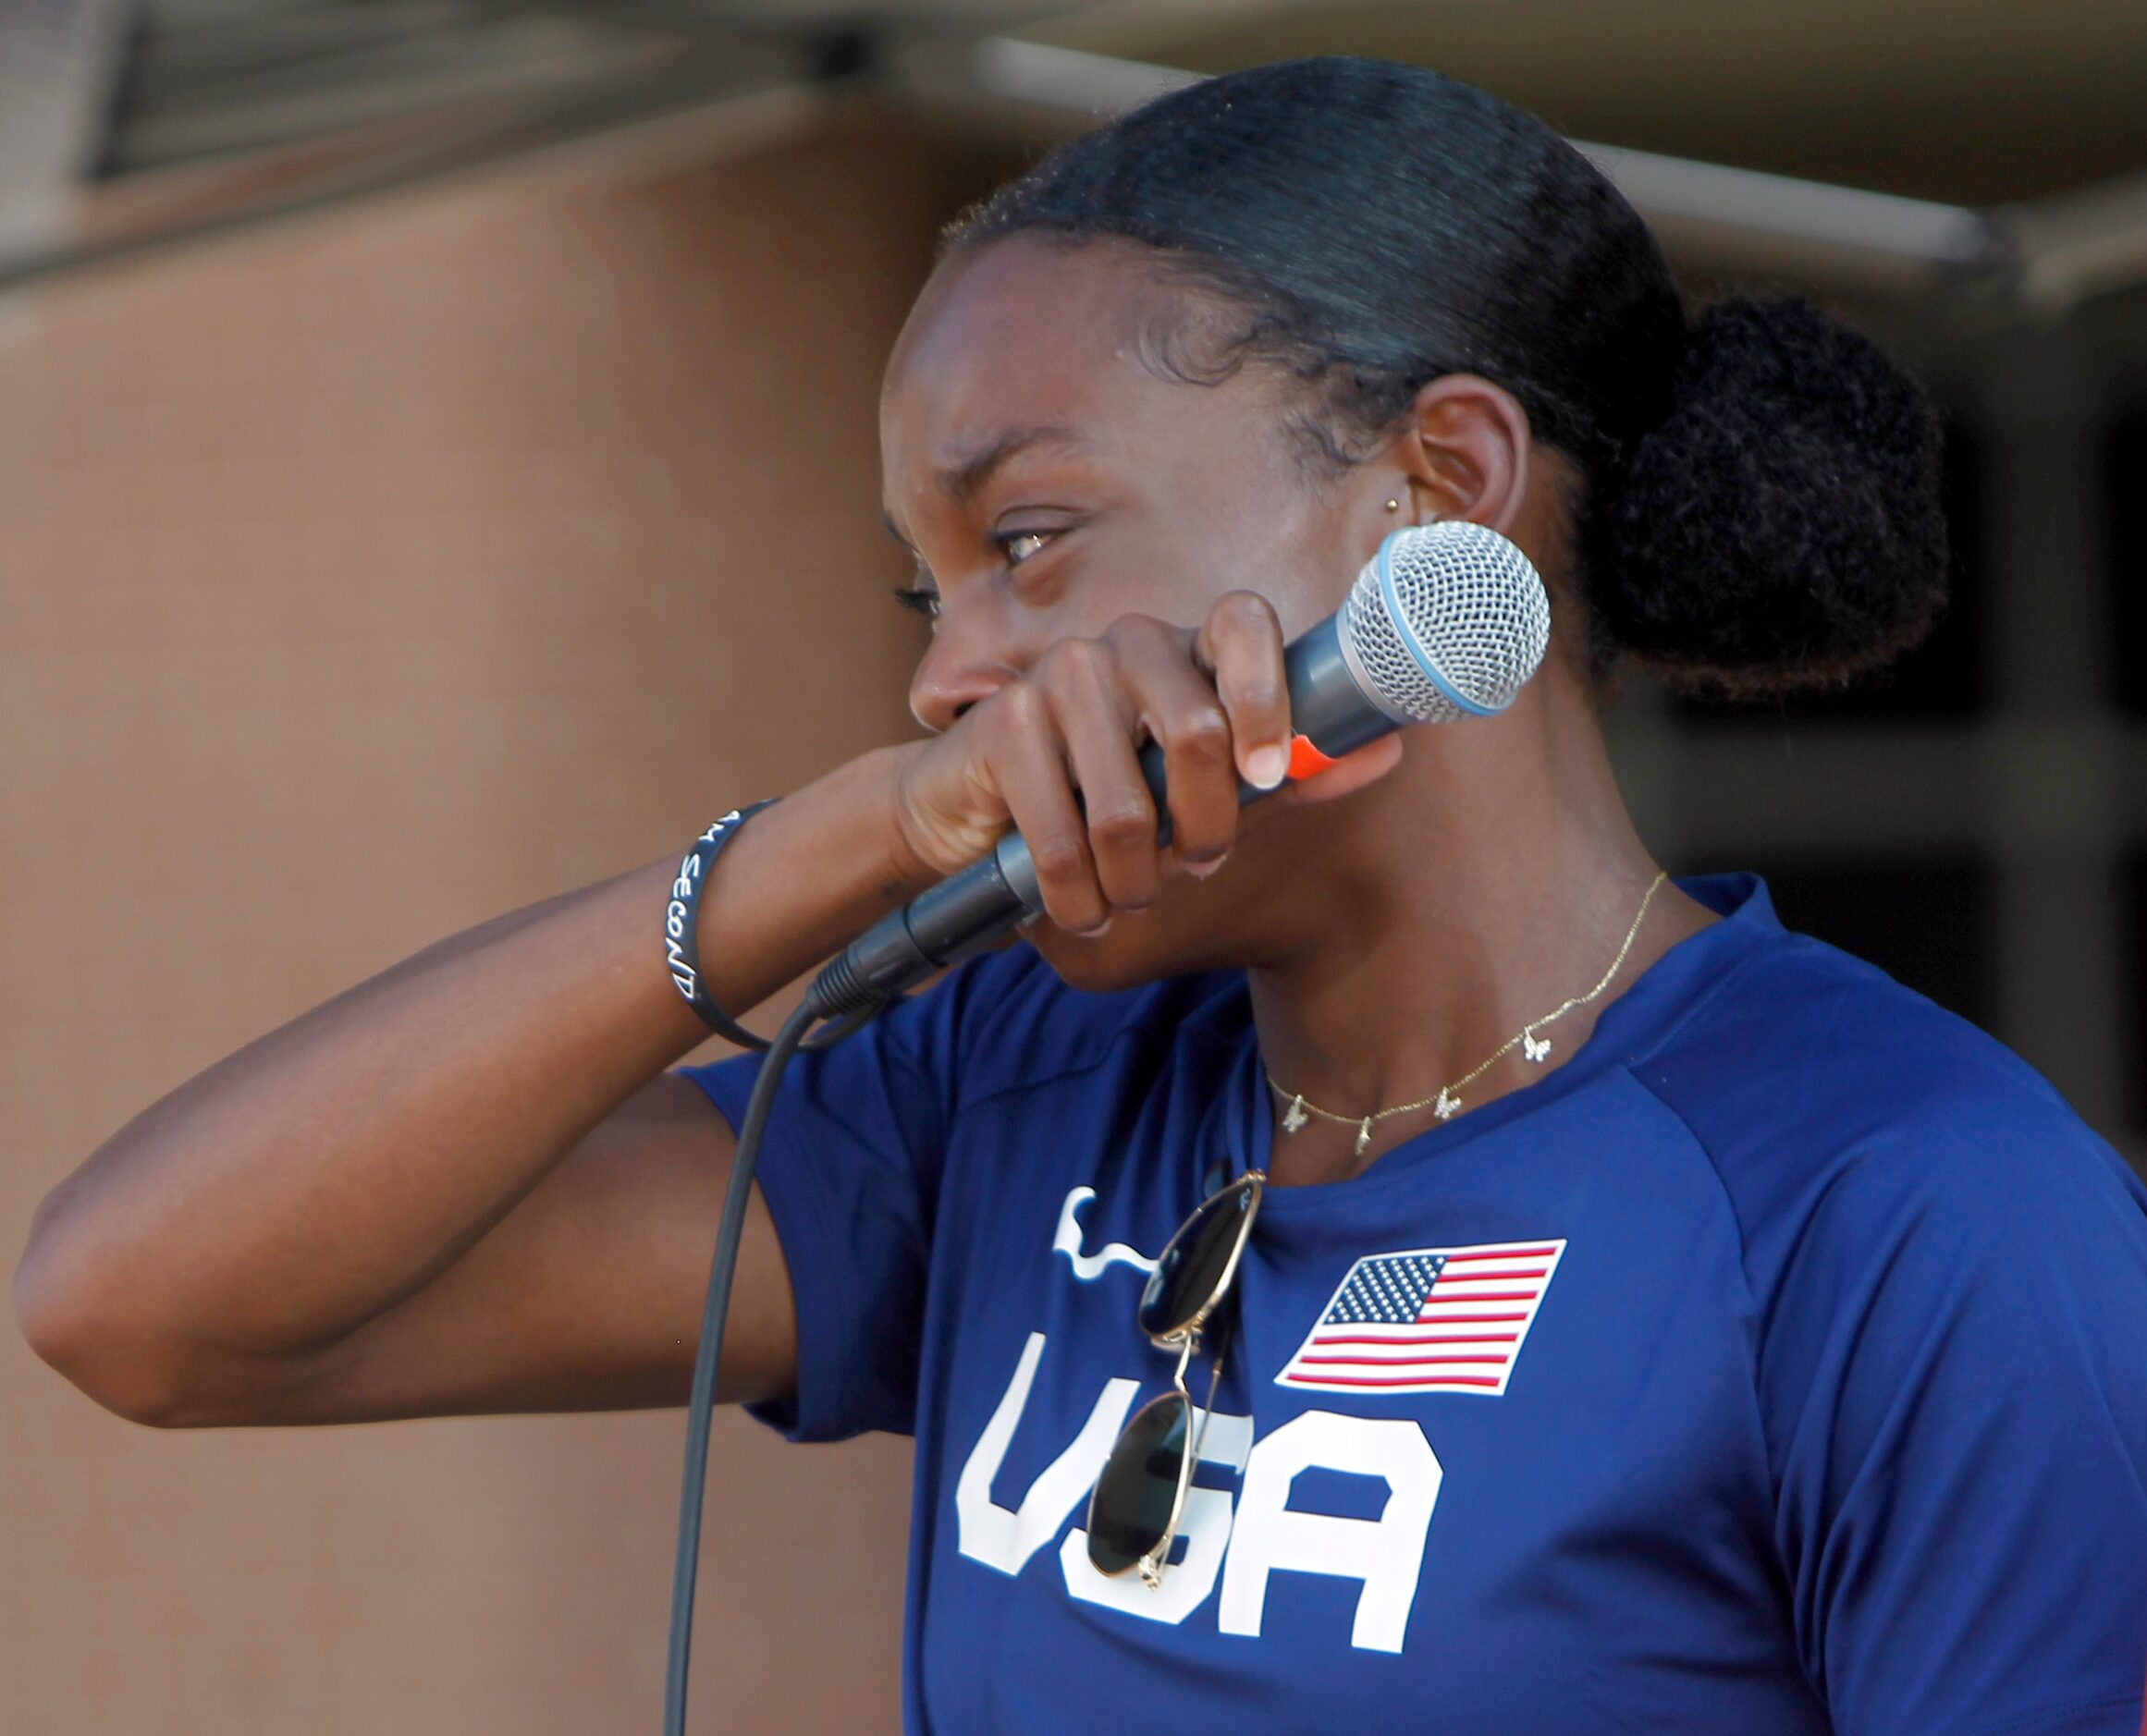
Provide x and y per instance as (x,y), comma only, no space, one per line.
(1490,877)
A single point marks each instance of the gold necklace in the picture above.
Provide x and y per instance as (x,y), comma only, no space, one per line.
(1446,1104)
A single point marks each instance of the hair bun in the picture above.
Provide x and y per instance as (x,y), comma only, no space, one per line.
(1781,528)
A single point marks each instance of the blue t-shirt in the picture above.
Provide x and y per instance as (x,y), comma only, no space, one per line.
(1777,1364)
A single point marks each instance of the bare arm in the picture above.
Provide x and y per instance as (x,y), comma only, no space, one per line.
(464,1185)
(468,1185)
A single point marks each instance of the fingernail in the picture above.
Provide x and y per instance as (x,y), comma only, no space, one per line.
(1201,870)
(1265,766)
(1097,932)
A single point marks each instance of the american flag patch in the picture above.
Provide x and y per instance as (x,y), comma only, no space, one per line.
(1430,1320)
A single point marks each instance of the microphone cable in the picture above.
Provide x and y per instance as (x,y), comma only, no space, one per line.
(715,1309)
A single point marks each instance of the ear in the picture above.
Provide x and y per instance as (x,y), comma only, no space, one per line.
(1462,452)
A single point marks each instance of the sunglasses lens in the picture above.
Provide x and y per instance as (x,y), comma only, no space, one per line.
(1189,1271)
(1131,1509)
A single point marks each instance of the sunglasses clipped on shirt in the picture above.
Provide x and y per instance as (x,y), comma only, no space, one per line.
(1139,1498)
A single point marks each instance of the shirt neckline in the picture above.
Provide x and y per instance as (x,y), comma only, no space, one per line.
(1240,1121)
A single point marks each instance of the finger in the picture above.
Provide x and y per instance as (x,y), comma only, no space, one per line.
(1241,642)
(1096,720)
(1185,716)
(1028,765)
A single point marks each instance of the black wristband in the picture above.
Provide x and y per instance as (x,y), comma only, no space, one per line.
(682,918)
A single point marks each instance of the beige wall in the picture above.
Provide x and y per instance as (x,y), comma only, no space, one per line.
(359,580)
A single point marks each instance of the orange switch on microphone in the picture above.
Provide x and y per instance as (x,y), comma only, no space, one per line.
(1305,759)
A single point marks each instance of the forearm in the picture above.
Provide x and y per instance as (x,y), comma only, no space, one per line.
(337,1165)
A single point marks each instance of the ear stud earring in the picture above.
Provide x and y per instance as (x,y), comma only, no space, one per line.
(1394,506)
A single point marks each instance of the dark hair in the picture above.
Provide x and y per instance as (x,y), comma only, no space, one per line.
(1761,502)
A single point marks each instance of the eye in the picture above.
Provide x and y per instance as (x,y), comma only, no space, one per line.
(1018,545)
(922,599)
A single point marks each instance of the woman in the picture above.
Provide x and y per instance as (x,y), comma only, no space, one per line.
(1790,1375)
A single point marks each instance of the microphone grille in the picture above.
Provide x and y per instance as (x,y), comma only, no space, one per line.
(1448,620)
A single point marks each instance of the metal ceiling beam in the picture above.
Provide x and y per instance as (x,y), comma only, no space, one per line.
(1747,221)
(58,62)
(713,99)
(469,61)
(580,76)
(2077,245)
(1706,213)
(2037,259)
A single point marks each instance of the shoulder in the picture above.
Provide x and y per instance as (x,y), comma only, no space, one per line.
(1801,1040)
(1838,1105)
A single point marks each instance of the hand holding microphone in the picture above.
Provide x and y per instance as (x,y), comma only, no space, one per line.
(1448,620)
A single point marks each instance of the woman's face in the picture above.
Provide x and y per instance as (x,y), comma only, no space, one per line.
(1050,480)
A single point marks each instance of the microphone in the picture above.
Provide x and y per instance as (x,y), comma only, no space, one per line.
(1447,621)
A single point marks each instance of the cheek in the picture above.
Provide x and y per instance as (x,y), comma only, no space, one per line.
(1176,565)
(1251,520)
(1171,568)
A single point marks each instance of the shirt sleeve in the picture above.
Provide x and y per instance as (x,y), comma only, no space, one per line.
(850,1165)
(1953,1381)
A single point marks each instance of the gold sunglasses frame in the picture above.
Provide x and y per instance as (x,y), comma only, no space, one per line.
(1184,1339)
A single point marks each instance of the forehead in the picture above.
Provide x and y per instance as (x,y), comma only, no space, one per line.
(1027,334)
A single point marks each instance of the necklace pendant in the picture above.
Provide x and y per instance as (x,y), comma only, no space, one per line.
(1363,1135)
(1294,1118)
(1447,1107)
(1535,1047)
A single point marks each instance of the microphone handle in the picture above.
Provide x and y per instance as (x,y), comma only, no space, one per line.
(971,911)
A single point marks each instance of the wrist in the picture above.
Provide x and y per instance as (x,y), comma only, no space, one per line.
(805,878)
(683,924)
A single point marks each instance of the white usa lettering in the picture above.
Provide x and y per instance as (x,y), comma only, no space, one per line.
(1088,1267)
(985,1532)
(1386,1553)
(1242,1543)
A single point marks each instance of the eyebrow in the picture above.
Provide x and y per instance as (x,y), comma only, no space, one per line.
(965,480)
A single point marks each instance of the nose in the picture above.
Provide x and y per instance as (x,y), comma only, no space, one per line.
(955,672)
